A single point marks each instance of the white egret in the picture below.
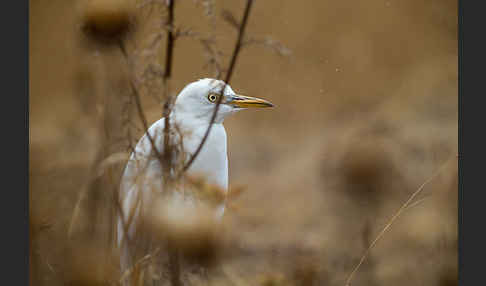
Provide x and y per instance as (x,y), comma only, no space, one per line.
(191,114)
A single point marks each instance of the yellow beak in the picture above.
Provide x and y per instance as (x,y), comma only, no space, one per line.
(242,101)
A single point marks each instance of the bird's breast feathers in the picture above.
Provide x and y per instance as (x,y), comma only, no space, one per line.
(212,161)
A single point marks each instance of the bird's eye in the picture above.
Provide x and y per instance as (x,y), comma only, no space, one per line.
(212,97)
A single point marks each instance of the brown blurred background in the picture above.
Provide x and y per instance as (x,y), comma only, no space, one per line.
(366,111)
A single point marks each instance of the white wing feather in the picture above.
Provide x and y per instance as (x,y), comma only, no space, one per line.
(142,166)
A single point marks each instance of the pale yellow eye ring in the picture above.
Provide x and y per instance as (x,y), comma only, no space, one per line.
(212,97)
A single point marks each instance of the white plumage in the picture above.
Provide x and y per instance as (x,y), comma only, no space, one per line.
(191,114)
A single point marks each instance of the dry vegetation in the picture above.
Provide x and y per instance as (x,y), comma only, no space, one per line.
(366,112)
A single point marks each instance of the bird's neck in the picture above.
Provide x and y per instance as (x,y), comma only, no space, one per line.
(188,121)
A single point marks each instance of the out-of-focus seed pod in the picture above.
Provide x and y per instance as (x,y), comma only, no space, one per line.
(366,169)
(107,20)
(191,226)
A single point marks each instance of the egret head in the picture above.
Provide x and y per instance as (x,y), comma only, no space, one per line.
(198,99)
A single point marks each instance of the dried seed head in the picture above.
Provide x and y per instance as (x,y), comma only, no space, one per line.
(107,21)
(366,167)
(190,226)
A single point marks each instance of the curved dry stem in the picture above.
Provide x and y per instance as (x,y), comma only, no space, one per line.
(236,51)
(139,263)
(405,206)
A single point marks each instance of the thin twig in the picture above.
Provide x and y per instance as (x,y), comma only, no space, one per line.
(167,162)
(417,202)
(170,40)
(405,206)
(165,158)
(140,262)
(174,267)
(227,80)
(141,114)
(138,104)
(212,55)
(143,118)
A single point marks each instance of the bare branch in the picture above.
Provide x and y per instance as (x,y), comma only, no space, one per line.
(138,104)
(207,42)
(141,114)
(179,33)
(236,51)
(174,267)
(213,56)
(170,40)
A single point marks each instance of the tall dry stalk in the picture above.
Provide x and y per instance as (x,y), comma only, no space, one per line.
(165,158)
(406,205)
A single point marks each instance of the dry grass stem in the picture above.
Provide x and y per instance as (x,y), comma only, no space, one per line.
(392,220)
(241,31)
